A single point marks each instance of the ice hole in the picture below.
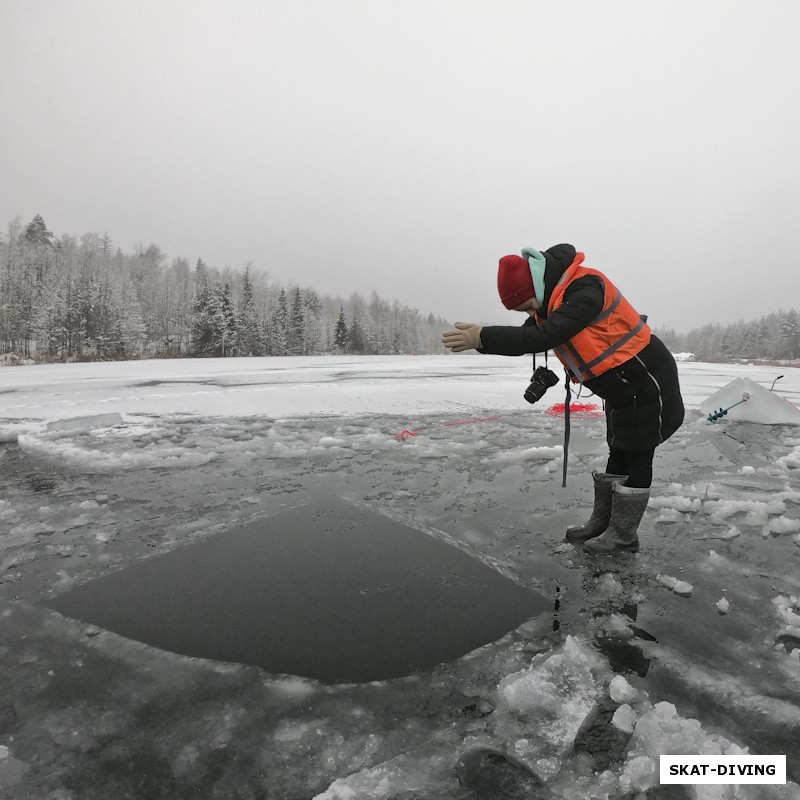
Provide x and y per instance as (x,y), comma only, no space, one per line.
(329,591)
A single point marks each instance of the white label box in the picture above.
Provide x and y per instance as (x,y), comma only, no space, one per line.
(693,769)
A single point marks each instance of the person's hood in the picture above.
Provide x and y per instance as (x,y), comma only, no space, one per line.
(558,260)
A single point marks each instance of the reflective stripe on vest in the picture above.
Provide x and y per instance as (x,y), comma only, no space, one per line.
(617,333)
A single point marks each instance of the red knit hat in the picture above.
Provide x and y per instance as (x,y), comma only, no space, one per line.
(514,281)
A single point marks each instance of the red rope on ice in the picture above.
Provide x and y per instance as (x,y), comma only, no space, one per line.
(586,409)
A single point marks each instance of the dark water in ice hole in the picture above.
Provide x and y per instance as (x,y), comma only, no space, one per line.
(328,591)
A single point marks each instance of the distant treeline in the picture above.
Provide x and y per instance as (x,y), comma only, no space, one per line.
(66,299)
(773,337)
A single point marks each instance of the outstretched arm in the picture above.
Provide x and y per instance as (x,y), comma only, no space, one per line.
(582,304)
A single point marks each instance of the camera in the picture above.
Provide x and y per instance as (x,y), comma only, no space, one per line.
(541,380)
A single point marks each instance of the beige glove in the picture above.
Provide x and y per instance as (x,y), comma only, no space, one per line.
(467,336)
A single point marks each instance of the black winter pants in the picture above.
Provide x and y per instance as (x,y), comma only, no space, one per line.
(637,466)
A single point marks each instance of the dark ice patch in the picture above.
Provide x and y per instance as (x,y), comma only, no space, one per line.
(328,591)
(789,641)
(39,483)
(600,738)
(491,774)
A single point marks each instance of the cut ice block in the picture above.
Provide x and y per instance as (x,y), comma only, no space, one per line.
(85,423)
(762,406)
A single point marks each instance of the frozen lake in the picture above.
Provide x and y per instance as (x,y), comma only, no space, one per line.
(207,448)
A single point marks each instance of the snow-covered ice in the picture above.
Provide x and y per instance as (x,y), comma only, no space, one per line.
(202,447)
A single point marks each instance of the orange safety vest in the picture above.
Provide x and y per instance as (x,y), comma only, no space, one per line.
(616,335)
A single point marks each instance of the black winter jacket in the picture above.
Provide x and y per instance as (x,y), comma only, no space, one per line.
(643,402)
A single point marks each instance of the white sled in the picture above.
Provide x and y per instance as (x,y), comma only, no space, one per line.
(744,400)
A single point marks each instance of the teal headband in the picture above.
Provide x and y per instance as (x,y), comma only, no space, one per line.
(537,264)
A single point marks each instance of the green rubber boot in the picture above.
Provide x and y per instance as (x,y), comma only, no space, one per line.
(601,513)
(627,510)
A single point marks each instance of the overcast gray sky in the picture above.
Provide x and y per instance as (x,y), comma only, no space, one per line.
(405,146)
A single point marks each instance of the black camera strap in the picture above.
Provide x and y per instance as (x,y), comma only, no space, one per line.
(566,428)
(534,360)
(567,401)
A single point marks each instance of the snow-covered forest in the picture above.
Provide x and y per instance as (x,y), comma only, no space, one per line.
(775,336)
(68,299)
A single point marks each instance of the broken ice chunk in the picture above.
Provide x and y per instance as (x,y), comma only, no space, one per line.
(624,718)
(621,691)
(681,588)
(640,773)
(541,709)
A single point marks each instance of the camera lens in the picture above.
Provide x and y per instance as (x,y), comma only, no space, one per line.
(541,380)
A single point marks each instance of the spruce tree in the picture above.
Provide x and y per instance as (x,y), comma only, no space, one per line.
(269,333)
(224,322)
(789,334)
(203,313)
(355,339)
(37,233)
(295,328)
(312,311)
(341,335)
(280,319)
(248,337)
